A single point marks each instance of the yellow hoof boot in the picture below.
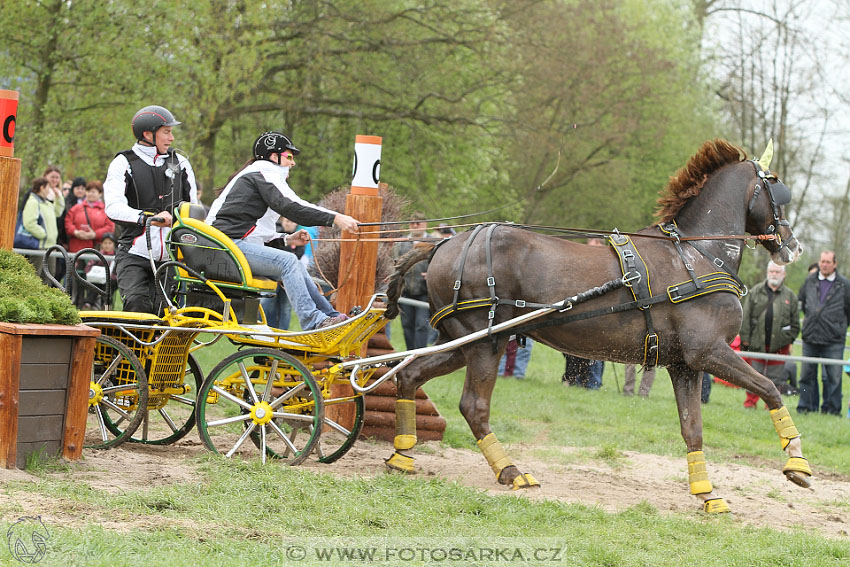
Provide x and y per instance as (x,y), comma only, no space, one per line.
(716,506)
(524,480)
(399,462)
(797,470)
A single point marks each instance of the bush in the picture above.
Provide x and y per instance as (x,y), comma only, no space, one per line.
(25,299)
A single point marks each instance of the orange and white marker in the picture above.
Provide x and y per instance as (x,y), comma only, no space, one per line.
(8,117)
(367,165)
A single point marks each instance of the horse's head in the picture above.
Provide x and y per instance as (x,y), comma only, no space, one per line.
(766,215)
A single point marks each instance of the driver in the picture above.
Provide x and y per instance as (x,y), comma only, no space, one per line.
(149,179)
(248,209)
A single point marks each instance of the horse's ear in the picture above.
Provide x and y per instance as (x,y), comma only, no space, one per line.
(767,156)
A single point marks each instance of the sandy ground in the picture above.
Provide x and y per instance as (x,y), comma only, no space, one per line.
(758,496)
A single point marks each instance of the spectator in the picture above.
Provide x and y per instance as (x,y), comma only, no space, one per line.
(646,381)
(579,371)
(54,180)
(583,372)
(278,309)
(75,195)
(825,302)
(86,222)
(516,358)
(770,324)
(414,320)
(95,273)
(42,206)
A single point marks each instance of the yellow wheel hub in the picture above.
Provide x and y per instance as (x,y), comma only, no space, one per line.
(95,393)
(261,413)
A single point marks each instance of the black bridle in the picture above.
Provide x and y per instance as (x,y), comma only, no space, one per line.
(779,195)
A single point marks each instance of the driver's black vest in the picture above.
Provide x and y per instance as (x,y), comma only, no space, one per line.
(150,189)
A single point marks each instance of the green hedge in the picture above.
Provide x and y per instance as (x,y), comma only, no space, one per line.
(25,299)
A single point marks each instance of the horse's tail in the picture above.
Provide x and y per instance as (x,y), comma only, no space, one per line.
(420,252)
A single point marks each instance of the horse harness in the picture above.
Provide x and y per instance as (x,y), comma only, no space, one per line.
(635,276)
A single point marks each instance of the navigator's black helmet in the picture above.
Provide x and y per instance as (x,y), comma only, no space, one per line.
(151,119)
(269,143)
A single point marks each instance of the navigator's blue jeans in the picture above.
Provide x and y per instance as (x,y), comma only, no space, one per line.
(311,307)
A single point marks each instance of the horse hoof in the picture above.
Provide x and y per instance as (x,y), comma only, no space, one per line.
(799,479)
(524,480)
(716,506)
(399,462)
(797,470)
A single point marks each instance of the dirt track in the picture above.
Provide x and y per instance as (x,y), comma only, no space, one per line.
(758,497)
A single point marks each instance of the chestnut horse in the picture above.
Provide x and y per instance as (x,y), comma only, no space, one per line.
(717,193)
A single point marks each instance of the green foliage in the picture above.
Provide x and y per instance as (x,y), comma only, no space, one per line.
(25,299)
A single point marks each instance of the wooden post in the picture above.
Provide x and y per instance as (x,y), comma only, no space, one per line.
(358,260)
(10,169)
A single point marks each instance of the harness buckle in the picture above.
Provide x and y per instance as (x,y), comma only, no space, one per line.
(628,254)
(491,314)
(718,262)
(491,281)
(629,278)
(688,266)
(519,303)
(567,308)
(674,290)
(457,285)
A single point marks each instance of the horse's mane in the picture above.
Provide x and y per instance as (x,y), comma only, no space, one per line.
(689,180)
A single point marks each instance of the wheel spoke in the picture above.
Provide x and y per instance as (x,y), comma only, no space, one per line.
(278,401)
(226,420)
(102,423)
(247,379)
(283,436)
(270,380)
(232,398)
(338,427)
(145,422)
(116,409)
(293,416)
(263,442)
(168,420)
(183,400)
(120,388)
(241,440)
(110,370)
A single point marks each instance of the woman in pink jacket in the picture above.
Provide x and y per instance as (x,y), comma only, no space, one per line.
(86,222)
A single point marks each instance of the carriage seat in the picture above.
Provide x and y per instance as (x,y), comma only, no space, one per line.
(212,253)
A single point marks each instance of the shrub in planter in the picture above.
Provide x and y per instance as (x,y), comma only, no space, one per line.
(46,358)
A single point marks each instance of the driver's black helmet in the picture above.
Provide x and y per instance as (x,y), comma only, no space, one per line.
(151,119)
(269,143)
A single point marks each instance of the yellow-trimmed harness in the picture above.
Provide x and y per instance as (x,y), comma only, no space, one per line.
(635,276)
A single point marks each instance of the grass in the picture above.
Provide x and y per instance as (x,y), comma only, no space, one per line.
(242,513)
(236,512)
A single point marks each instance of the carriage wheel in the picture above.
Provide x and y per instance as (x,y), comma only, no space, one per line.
(176,417)
(118,394)
(238,402)
(341,428)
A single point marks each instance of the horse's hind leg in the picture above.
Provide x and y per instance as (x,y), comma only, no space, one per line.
(729,366)
(408,381)
(687,386)
(482,366)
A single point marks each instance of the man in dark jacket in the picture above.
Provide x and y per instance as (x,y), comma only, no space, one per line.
(771,323)
(825,301)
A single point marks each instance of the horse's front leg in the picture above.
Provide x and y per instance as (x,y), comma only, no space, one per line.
(687,384)
(729,366)
(409,380)
(482,366)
